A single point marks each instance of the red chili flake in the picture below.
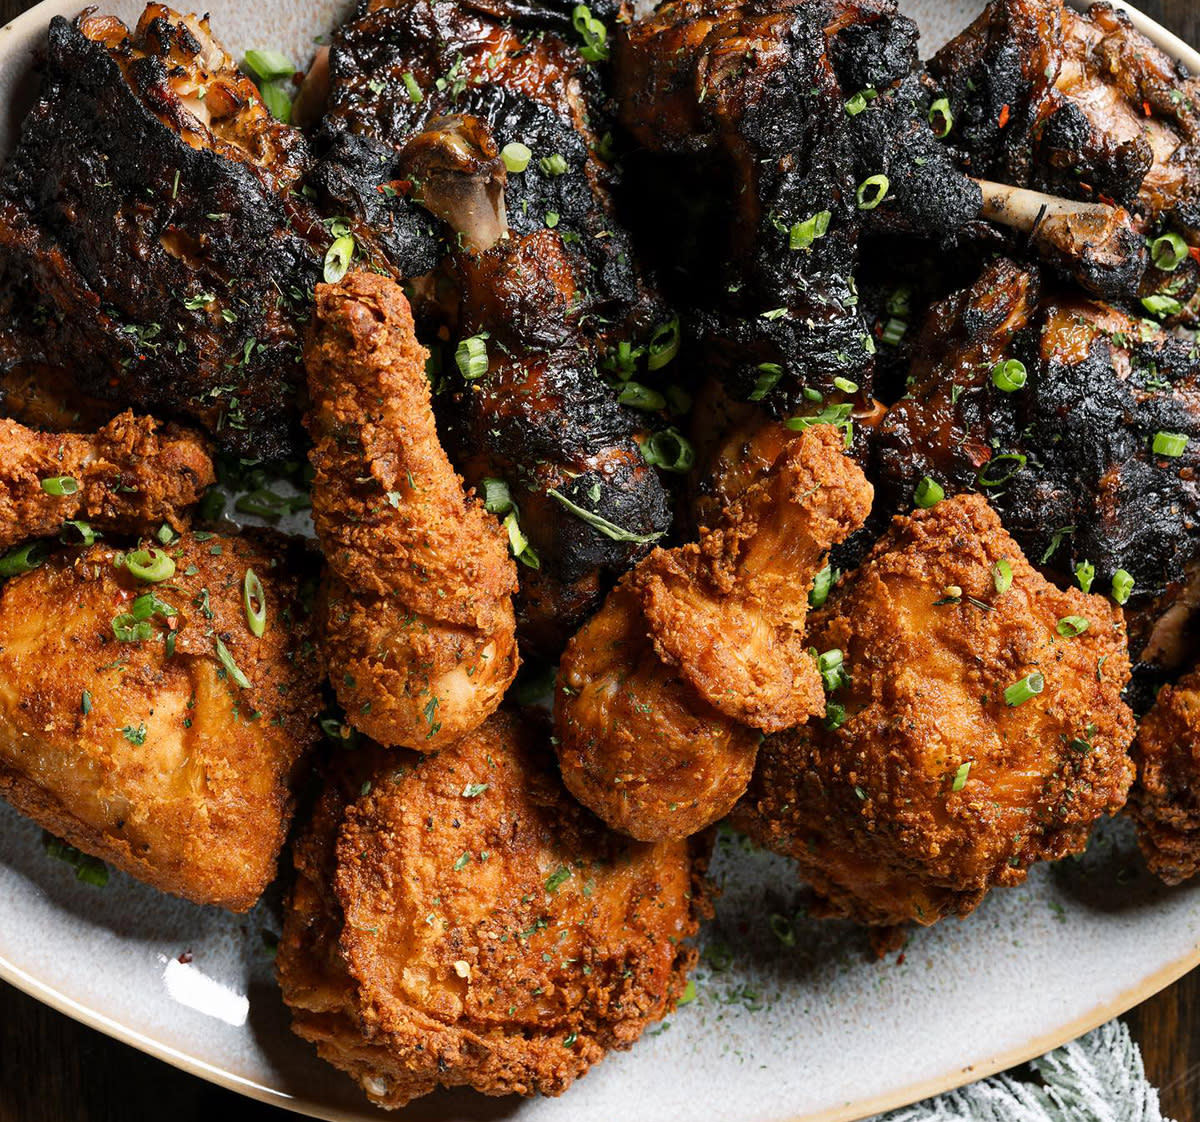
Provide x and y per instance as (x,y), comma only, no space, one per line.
(1004,115)
(186,957)
(1106,200)
(1146,109)
(900,959)
(1195,252)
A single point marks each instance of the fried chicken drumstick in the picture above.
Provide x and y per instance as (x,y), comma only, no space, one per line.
(458,920)
(417,619)
(132,475)
(660,694)
(977,726)
(144,718)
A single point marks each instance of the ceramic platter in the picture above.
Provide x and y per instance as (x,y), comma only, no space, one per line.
(793,1020)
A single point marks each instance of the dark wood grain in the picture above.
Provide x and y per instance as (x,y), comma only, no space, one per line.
(55,1070)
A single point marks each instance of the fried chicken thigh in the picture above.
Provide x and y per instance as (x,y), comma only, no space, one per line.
(978,726)
(146,723)
(660,694)
(1165,802)
(458,920)
(133,475)
(417,621)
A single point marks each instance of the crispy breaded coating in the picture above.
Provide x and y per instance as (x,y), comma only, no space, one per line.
(167,753)
(132,475)
(659,694)
(417,619)
(458,920)
(1165,801)
(936,774)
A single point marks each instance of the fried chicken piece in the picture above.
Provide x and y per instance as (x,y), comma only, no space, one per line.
(1165,801)
(458,920)
(132,475)
(417,620)
(975,731)
(146,724)
(47,398)
(659,693)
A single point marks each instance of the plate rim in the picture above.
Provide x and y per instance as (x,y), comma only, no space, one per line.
(18,29)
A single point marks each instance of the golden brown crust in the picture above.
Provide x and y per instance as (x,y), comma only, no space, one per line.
(1164,802)
(457,920)
(870,811)
(132,475)
(660,692)
(160,764)
(418,626)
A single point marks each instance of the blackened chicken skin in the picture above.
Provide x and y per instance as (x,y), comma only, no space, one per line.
(701,644)
(417,620)
(131,476)
(542,276)
(151,213)
(1069,458)
(938,776)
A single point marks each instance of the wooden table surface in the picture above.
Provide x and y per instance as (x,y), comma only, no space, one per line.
(54,1070)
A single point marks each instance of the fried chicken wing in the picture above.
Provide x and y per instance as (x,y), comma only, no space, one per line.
(1165,801)
(131,475)
(458,920)
(146,723)
(659,693)
(417,620)
(977,726)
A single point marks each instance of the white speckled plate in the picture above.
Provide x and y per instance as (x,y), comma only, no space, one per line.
(793,1021)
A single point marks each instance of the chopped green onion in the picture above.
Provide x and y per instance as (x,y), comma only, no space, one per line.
(1069,627)
(150,565)
(557,879)
(663,345)
(1085,573)
(1158,304)
(60,485)
(782,929)
(1168,252)
(835,715)
(803,234)
(414,91)
(941,118)
(230,666)
(1169,444)
(551,218)
(960,776)
(593,32)
(87,535)
(856,104)
(1122,586)
(166,535)
(929,493)
(831,666)
(553,165)
(89,870)
(471,357)
(822,583)
(1009,375)
(269,65)
(602,525)
(845,385)
(127,628)
(496,497)
(771,373)
(254,601)
(670,450)
(893,332)
(1017,459)
(689,994)
(516,157)
(338,258)
(872,191)
(1020,692)
(277,100)
(1002,576)
(519,543)
(899,301)
(637,396)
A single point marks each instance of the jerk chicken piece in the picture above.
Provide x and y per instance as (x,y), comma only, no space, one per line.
(1080,422)
(1165,801)
(459,920)
(417,619)
(146,719)
(977,726)
(659,693)
(540,281)
(132,475)
(152,213)
(767,99)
